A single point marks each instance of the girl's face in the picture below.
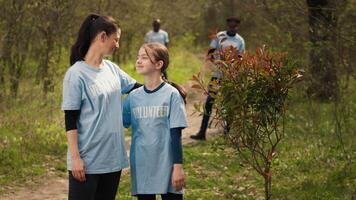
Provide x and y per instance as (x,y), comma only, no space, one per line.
(144,65)
(111,42)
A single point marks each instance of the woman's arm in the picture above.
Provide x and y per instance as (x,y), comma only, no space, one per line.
(137,85)
(78,166)
(126,113)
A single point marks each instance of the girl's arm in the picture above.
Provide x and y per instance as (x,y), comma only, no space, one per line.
(177,121)
(178,178)
(176,136)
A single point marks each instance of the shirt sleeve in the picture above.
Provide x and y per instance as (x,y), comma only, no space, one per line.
(242,46)
(72,91)
(166,38)
(176,137)
(127,83)
(214,43)
(70,118)
(177,116)
(126,113)
(147,37)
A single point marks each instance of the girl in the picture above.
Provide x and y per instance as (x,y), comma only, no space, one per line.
(92,90)
(157,115)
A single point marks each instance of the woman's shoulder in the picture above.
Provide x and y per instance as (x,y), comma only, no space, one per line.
(74,70)
(110,64)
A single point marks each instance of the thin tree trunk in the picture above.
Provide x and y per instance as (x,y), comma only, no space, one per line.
(47,79)
(268,180)
(322,21)
(268,187)
(2,80)
(15,74)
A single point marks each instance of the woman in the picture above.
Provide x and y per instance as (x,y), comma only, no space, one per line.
(92,89)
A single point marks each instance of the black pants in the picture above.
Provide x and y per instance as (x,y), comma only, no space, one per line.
(208,106)
(168,196)
(96,186)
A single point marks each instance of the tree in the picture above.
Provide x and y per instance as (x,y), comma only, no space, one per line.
(16,40)
(55,17)
(322,22)
(251,99)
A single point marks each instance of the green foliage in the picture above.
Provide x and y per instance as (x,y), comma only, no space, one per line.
(251,97)
(316,160)
(32,136)
(308,167)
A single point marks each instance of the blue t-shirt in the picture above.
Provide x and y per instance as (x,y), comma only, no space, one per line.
(96,92)
(151,116)
(222,41)
(161,37)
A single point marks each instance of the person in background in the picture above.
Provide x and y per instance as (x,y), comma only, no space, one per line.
(223,39)
(158,35)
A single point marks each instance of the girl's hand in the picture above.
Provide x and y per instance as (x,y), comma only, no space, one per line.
(178,178)
(78,169)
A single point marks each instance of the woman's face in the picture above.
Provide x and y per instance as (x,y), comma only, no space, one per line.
(112,42)
(144,65)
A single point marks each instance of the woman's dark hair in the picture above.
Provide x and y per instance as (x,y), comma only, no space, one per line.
(158,52)
(91,26)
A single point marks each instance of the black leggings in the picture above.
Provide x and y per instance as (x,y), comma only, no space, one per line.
(168,196)
(96,186)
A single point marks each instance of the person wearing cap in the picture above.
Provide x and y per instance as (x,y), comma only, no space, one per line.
(223,39)
(157,35)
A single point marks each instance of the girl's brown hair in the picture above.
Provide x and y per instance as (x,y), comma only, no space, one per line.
(158,52)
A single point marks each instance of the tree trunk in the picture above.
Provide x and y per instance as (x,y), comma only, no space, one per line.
(322,23)
(15,74)
(2,80)
(47,78)
(268,187)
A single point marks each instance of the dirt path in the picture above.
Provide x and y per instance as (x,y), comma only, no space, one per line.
(54,187)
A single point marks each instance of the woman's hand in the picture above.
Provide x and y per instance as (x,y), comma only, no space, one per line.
(178,177)
(78,169)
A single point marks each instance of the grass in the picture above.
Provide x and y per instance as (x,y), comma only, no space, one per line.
(311,161)
(214,171)
(203,170)
(32,136)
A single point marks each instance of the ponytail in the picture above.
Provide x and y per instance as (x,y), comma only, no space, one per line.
(91,26)
(180,89)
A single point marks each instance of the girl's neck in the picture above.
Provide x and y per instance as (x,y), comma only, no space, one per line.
(93,58)
(152,81)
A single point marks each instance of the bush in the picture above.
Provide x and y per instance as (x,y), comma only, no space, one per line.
(251,99)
